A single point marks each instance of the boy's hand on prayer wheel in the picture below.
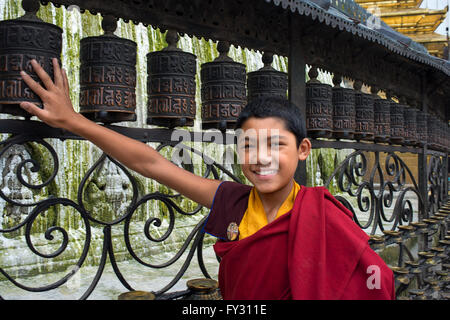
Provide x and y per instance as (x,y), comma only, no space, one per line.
(58,110)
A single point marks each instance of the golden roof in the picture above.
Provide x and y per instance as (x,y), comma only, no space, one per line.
(429,37)
(392,4)
(434,42)
(414,20)
(406,17)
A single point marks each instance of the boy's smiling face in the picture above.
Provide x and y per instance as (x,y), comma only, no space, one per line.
(269,154)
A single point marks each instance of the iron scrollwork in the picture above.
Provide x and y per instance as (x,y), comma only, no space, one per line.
(89,218)
(370,188)
(374,185)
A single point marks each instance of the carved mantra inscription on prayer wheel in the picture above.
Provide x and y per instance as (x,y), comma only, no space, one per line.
(442,135)
(171,88)
(108,79)
(364,116)
(382,119)
(22,40)
(319,110)
(267,82)
(396,122)
(410,133)
(432,123)
(223,93)
(422,128)
(343,113)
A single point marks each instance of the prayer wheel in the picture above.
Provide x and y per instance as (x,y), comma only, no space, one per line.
(22,40)
(319,107)
(410,132)
(223,90)
(381,111)
(446,136)
(431,131)
(364,117)
(441,135)
(343,110)
(422,128)
(108,76)
(396,122)
(437,132)
(171,85)
(267,81)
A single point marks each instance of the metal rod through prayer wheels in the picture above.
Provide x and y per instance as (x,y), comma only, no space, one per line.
(267,81)
(22,40)
(364,116)
(319,107)
(171,85)
(381,109)
(223,90)
(108,76)
(343,110)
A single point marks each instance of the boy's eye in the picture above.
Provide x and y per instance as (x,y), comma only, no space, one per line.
(277,143)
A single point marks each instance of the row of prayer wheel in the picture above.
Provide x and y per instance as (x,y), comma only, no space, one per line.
(108,84)
(108,76)
(344,113)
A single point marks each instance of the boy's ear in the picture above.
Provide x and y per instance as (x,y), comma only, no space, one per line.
(304,149)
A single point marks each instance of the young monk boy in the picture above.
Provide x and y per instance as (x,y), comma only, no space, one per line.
(277,239)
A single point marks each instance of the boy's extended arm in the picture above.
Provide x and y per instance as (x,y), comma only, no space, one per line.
(58,112)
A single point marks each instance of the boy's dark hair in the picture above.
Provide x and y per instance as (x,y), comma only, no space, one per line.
(277,107)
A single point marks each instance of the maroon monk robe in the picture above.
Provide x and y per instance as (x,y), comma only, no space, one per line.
(315,251)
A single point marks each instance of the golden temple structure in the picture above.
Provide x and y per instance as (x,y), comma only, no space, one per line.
(406,17)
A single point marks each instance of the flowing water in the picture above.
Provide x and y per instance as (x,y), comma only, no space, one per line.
(109,190)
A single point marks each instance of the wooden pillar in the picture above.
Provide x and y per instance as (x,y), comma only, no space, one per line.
(423,168)
(297,81)
(422,165)
(446,160)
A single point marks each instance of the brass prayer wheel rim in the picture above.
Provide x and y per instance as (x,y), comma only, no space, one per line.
(412,263)
(392,233)
(416,292)
(399,270)
(430,221)
(406,228)
(202,284)
(137,295)
(377,238)
(418,224)
(425,254)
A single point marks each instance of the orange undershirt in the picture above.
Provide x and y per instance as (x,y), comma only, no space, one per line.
(255,216)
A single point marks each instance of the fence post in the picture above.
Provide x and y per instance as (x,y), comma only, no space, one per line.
(297,82)
(423,167)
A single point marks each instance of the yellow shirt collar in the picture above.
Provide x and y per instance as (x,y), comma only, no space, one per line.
(255,216)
